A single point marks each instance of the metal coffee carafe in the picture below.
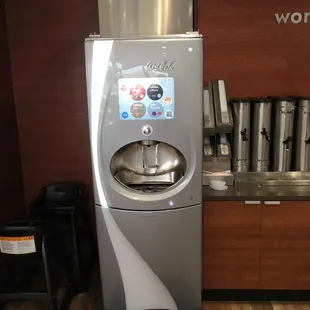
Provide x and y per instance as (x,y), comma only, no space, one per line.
(241,135)
(283,133)
(260,134)
(301,144)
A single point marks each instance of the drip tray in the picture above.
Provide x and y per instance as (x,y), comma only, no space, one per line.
(149,188)
(129,178)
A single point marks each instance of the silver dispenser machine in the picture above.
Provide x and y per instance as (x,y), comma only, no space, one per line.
(301,147)
(241,135)
(282,139)
(260,136)
(146,117)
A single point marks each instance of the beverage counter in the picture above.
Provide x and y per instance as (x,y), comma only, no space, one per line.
(254,193)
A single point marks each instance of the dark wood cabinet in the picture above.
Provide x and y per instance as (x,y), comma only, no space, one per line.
(232,236)
(256,245)
(285,249)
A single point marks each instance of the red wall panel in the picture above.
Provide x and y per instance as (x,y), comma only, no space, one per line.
(242,43)
(11,189)
(47,54)
(245,45)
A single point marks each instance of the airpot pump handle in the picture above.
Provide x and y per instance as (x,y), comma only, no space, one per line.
(287,141)
(243,135)
(265,133)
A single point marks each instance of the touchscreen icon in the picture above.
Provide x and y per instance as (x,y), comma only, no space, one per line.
(137,110)
(123,88)
(124,115)
(168,100)
(155,92)
(169,114)
(155,109)
(137,92)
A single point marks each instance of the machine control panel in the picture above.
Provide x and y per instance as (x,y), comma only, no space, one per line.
(146,98)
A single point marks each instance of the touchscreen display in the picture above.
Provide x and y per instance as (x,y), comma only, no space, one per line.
(146,98)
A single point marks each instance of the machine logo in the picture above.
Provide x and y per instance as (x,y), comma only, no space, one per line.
(160,66)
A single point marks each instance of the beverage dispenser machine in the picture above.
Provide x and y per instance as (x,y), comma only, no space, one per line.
(145,117)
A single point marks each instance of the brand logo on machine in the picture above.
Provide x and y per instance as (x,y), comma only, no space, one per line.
(294,18)
(160,66)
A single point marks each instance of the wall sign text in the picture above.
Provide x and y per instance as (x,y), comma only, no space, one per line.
(294,18)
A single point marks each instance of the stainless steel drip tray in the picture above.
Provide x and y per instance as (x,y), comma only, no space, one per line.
(129,178)
(149,188)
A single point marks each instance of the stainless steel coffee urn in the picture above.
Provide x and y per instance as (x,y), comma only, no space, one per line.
(301,144)
(282,139)
(260,134)
(241,135)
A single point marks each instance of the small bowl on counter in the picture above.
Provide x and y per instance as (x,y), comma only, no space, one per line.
(218,185)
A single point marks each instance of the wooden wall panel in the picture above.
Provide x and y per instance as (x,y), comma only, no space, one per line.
(244,45)
(11,189)
(47,53)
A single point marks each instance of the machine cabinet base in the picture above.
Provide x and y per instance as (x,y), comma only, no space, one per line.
(154,256)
